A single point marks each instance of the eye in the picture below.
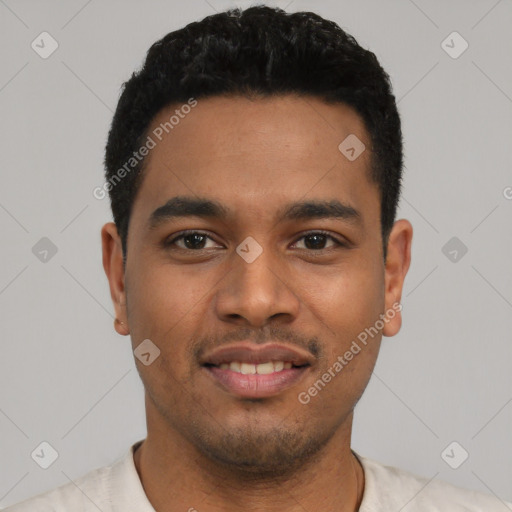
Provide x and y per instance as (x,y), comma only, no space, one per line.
(316,240)
(194,240)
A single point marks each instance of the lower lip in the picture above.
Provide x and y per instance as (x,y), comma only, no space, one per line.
(256,386)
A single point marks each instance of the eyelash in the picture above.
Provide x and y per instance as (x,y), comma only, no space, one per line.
(169,243)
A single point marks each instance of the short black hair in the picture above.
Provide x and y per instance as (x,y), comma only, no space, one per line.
(260,51)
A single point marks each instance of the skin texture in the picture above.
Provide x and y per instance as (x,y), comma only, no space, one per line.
(207,448)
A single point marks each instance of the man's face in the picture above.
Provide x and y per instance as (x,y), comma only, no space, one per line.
(308,292)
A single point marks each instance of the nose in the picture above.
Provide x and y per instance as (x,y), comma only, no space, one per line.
(257,292)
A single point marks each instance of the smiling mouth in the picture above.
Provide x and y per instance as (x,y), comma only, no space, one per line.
(256,381)
(266,368)
(246,370)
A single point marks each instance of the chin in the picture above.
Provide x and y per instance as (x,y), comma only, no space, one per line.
(272,453)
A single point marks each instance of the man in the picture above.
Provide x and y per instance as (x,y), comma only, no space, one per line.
(254,167)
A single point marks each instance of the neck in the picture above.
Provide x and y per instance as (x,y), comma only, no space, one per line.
(176,477)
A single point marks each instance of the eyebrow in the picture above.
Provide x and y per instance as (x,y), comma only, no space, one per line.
(184,206)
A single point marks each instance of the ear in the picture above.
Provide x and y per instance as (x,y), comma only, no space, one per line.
(113,265)
(397,264)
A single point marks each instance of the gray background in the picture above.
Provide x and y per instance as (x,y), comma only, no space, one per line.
(66,376)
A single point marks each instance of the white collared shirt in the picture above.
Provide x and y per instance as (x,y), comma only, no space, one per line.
(117,488)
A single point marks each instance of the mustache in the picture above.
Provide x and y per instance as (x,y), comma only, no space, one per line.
(259,337)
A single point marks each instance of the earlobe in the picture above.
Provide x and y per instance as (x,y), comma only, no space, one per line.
(121,327)
(398,261)
(114,270)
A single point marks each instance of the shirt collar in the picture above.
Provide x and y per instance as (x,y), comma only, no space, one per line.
(126,490)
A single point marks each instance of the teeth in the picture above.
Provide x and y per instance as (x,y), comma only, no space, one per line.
(260,369)
(265,368)
(247,369)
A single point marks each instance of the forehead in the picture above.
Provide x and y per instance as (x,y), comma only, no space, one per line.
(256,154)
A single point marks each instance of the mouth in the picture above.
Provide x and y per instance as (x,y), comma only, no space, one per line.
(256,369)
(249,371)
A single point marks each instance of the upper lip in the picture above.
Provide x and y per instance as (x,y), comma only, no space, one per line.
(247,352)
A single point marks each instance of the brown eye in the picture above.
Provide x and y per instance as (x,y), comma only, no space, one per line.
(193,240)
(316,241)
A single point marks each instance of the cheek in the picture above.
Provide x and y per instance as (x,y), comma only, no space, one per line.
(348,304)
(347,299)
(162,296)
(164,306)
